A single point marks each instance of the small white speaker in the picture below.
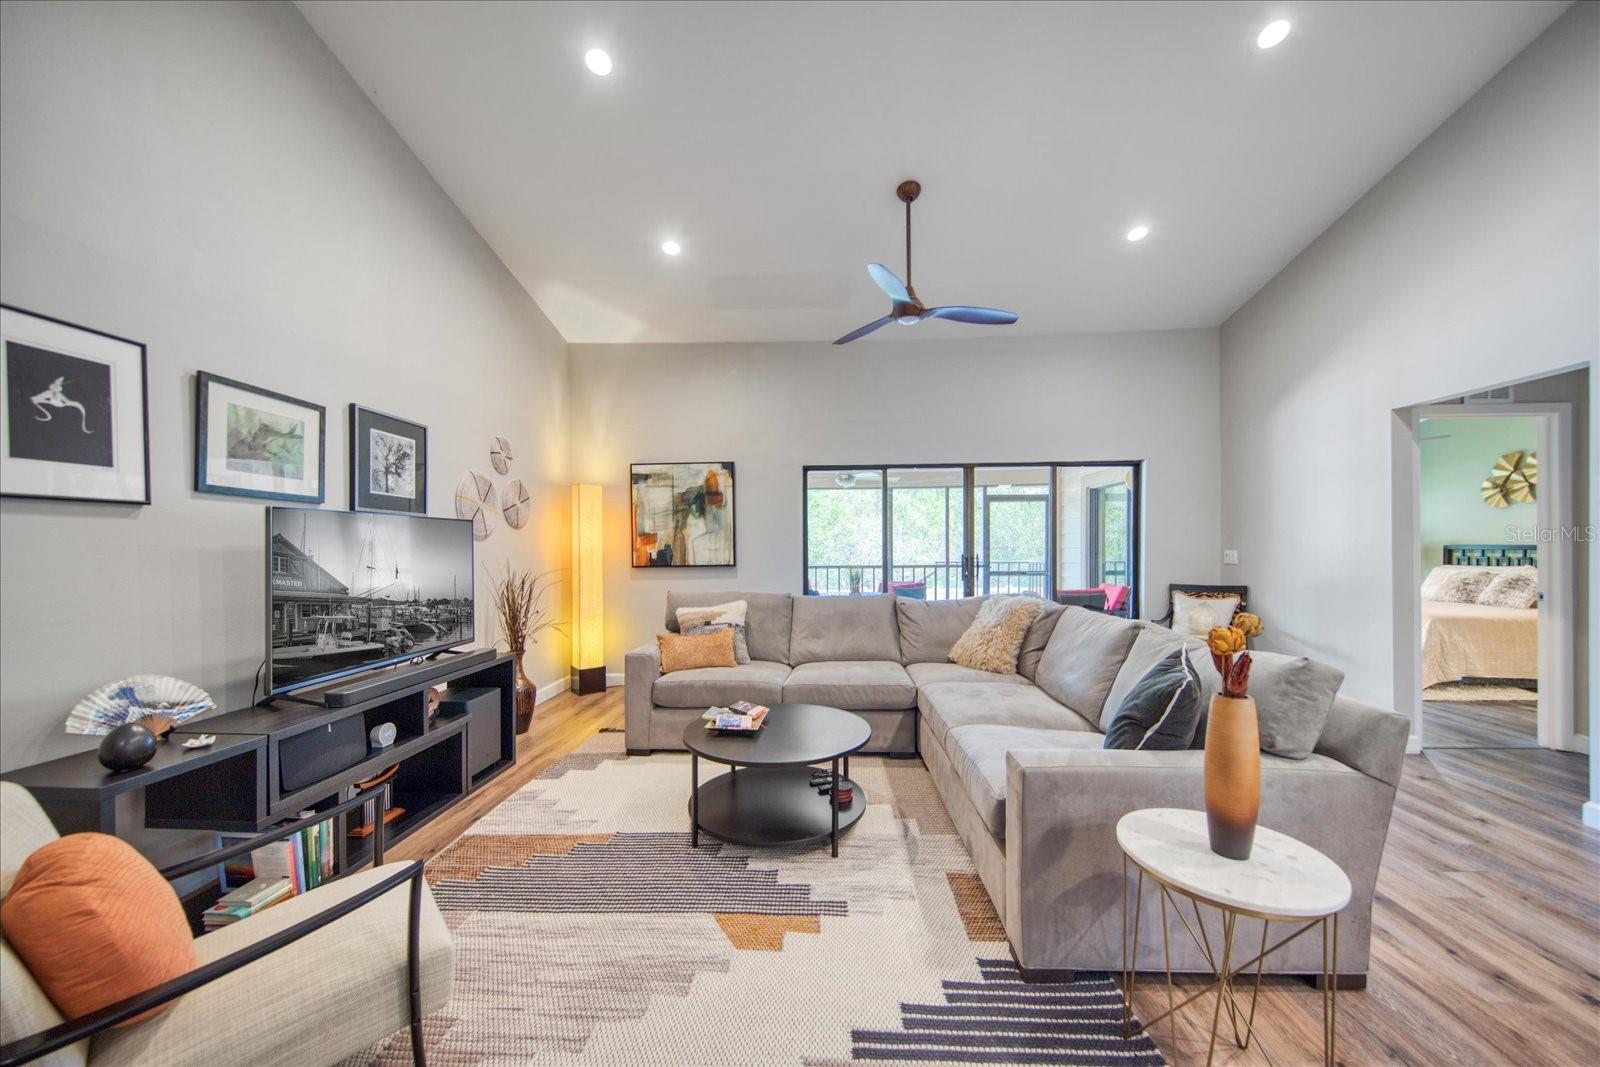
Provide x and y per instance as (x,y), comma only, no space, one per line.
(382,735)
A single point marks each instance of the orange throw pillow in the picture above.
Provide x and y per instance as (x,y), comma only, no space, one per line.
(95,922)
(681,652)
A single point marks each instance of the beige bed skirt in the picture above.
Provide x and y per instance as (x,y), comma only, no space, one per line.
(1476,641)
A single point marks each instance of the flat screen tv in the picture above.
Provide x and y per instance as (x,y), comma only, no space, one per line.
(349,591)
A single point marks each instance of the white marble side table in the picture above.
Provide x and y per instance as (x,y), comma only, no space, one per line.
(1284,881)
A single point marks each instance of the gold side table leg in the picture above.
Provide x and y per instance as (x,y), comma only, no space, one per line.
(1166,958)
(1228,919)
(1333,997)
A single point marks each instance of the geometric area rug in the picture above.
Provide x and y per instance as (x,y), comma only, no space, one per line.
(589,932)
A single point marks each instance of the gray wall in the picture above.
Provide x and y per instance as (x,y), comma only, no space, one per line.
(976,397)
(1475,262)
(206,178)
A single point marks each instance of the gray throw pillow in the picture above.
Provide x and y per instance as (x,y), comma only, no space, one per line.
(741,650)
(1293,695)
(1162,710)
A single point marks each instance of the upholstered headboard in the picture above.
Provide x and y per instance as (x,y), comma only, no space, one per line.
(1492,555)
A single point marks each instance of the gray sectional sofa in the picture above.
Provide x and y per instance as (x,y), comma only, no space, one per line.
(1019,760)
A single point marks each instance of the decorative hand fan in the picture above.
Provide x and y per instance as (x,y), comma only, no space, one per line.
(1513,480)
(156,700)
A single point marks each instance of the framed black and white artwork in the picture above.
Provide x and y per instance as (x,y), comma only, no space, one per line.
(388,463)
(75,421)
(254,442)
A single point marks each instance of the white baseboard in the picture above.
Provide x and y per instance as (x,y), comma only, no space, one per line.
(614,679)
(1413,744)
(1580,743)
(550,689)
(1591,815)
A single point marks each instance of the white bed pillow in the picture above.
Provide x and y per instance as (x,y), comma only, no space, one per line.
(1512,587)
(1457,585)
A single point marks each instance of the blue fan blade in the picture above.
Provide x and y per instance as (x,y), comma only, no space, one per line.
(981,316)
(868,328)
(892,286)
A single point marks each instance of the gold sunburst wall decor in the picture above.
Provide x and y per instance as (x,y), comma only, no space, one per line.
(1514,480)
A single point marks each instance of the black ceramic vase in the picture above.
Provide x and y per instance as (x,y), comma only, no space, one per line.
(128,746)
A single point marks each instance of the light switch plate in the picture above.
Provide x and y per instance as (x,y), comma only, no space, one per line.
(1230,555)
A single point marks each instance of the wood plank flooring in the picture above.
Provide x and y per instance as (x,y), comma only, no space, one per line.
(1513,724)
(1486,926)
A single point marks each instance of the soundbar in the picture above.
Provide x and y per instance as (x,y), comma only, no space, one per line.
(402,677)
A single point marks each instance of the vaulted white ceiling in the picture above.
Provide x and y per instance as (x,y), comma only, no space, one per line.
(768,139)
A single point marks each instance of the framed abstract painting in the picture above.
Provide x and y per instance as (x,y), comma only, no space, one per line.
(683,514)
(251,441)
(388,463)
(74,422)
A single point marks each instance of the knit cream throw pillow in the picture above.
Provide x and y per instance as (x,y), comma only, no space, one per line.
(993,640)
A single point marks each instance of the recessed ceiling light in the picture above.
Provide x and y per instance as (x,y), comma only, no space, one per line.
(1272,34)
(1138,233)
(671,248)
(600,63)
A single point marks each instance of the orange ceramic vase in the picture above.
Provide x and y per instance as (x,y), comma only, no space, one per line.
(1233,776)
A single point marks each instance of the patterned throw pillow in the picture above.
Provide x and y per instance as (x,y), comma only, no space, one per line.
(1463,586)
(995,637)
(1514,587)
(683,652)
(729,616)
(1197,613)
(1162,710)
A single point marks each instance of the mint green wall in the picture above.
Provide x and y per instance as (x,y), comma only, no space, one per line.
(1457,455)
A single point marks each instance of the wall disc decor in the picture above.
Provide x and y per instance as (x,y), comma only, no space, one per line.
(500,455)
(475,500)
(514,504)
(1514,480)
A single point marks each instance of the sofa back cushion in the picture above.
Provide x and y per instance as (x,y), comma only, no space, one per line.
(1038,636)
(844,628)
(1292,695)
(766,622)
(1083,657)
(1152,645)
(930,628)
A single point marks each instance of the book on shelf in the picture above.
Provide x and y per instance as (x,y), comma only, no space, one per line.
(254,896)
(739,717)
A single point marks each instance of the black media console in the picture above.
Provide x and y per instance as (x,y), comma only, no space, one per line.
(271,763)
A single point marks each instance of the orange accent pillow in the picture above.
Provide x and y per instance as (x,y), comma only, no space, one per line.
(95,922)
(682,652)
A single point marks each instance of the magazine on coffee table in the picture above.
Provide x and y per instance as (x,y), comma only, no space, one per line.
(740,717)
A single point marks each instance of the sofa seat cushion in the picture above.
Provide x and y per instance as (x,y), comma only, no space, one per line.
(931,673)
(855,685)
(979,756)
(947,705)
(759,681)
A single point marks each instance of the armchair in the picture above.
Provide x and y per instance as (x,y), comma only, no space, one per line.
(311,980)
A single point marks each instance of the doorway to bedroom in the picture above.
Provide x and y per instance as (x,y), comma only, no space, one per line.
(1477,508)
(1491,561)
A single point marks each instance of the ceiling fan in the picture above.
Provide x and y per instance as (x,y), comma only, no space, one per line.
(905,307)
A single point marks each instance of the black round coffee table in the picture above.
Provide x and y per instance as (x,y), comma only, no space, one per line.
(767,798)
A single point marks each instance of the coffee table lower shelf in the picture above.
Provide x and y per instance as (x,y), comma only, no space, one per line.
(771,806)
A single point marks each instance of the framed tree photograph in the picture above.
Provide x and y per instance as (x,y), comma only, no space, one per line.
(388,462)
(254,442)
(682,514)
(75,420)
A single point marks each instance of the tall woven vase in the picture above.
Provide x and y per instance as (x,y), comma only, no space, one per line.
(1233,776)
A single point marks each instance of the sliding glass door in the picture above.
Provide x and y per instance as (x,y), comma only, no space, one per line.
(1064,531)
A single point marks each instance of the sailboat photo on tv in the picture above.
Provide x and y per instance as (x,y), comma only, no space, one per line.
(351,591)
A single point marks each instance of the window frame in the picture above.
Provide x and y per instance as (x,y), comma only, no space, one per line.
(969,517)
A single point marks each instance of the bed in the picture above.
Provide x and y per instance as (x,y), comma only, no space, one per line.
(1473,640)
